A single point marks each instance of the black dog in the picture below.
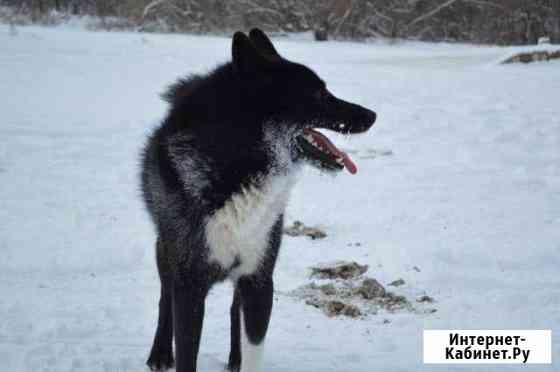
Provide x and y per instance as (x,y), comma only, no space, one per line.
(216,177)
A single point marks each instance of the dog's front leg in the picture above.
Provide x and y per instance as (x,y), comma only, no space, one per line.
(256,305)
(188,314)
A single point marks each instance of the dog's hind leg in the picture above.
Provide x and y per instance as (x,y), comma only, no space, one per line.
(161,356)
(256,305)
(234,362)
(188,314)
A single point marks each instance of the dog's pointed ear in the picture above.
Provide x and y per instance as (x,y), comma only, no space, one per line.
(263,43)
(246,59)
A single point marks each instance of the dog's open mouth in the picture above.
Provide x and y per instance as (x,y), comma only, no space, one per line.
(320,150)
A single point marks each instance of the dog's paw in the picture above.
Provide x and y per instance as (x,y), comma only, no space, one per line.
(161,361)
(232,368)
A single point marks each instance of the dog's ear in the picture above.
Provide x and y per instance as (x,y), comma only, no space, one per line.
(246,59)
(263,43)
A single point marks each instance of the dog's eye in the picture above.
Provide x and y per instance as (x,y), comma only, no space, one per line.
(322,94)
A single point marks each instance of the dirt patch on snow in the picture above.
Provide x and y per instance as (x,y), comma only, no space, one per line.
(535,56)
(299,229)
(344,290)
(397,283)
(339,270)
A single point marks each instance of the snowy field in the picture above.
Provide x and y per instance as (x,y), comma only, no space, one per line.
(465,187)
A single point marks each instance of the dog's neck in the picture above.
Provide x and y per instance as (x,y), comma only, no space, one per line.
(198,172)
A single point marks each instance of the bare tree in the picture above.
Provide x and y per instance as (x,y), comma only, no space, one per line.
(555,21)
(481,21)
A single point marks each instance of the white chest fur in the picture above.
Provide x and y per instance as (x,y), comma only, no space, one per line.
(240,230)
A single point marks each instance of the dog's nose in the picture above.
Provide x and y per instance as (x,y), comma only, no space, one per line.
(367,118)
(371,116)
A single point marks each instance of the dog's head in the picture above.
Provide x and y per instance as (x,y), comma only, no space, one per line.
(292,95)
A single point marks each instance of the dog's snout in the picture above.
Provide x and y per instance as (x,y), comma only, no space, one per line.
(370,117)
(358,119)
(366,118)
(373,117)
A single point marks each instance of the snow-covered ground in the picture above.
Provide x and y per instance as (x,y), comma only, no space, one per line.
(468,191)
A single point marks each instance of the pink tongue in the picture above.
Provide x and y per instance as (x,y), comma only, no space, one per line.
(326,143)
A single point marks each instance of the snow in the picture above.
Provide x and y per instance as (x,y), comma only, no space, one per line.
(459,177)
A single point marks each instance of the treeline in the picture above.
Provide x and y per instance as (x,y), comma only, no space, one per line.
(502,22)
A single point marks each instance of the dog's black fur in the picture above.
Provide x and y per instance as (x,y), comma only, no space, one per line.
(210,147)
